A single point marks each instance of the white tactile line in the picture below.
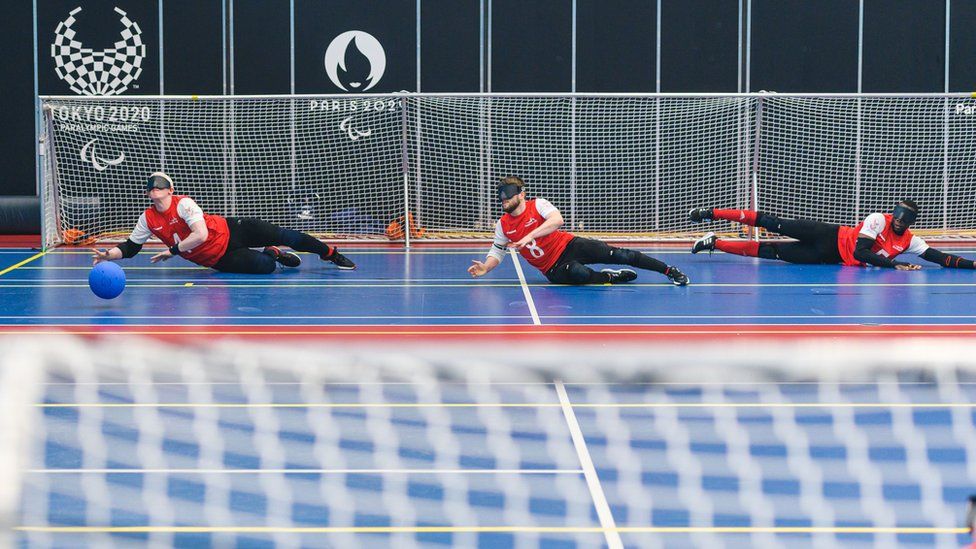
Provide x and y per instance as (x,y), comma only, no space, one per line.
(589,472)
(525,288)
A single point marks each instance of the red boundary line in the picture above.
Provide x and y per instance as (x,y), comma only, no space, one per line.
(590,333)
(20,241)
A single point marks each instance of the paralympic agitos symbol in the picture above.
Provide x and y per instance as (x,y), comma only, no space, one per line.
(89,155)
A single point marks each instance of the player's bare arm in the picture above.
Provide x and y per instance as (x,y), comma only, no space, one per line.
(105,255)
(481,268)
(551,224)
(198,235)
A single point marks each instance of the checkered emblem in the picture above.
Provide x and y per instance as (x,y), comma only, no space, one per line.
(105,72)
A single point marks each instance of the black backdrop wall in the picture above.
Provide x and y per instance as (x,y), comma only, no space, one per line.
(337,46)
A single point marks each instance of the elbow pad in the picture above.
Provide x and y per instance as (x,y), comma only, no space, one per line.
(129,248)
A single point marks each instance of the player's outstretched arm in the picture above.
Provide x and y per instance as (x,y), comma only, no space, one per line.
(198,235)
(105,255)
(481,268)
(129,248)
(552,223)
(496,253)
(863,253)
(124,250)
(947,260)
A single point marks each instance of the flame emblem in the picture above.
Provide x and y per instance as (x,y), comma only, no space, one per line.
(362,43)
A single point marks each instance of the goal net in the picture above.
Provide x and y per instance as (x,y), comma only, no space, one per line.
(115,442)
(618,166)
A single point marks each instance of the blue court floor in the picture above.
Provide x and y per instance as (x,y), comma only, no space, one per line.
(197,463)
(364,465)
(432,287)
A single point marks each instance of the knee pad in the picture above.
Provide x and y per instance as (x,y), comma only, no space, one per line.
(627,256)
(577,273)
(768,222)
(268,265)
(768,251)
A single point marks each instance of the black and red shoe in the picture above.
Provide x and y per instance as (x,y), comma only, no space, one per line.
(619,276)
(285,259)
(340,260)
(697,215)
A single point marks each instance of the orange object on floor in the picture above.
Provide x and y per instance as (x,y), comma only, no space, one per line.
(394,231)
(77,237)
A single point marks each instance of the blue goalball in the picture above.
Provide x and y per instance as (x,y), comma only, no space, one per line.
(106,280)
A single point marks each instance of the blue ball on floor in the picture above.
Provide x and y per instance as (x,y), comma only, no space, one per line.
(106,280)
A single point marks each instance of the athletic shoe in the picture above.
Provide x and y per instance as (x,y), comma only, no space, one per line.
(677,277)
(706,242)
(286,259)
(697,215)
(340,260)
(620,275)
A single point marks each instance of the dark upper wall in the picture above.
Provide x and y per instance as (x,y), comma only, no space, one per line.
(491,45)
(17,138)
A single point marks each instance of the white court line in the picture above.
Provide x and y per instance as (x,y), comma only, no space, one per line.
(211,283)
(290,280)
(606,405)
(304,471)
(272,317)
(347,317)
(589,472)
(688,316)
(525,287)
(492,383)
(353,283)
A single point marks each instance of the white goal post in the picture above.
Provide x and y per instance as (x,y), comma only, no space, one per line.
(617,165)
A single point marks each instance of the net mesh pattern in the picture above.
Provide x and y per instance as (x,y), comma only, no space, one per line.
(615,166)
(126,441)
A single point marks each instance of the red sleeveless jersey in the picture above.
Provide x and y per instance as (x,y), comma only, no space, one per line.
(542,253)
(887,244)
(168,225)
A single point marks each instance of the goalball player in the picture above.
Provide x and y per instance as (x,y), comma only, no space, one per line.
(532,227)
(223,244)
(877,240)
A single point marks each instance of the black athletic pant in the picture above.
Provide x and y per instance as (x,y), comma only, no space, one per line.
(817,240)
(250,232)
(571,267)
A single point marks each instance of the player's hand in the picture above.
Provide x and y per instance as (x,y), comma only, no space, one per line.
(521,243)
(908,267)
(161,256)
(477,268)
(100,255)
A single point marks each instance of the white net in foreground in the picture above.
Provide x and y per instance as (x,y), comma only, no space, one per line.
(135,441)
(617,166)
